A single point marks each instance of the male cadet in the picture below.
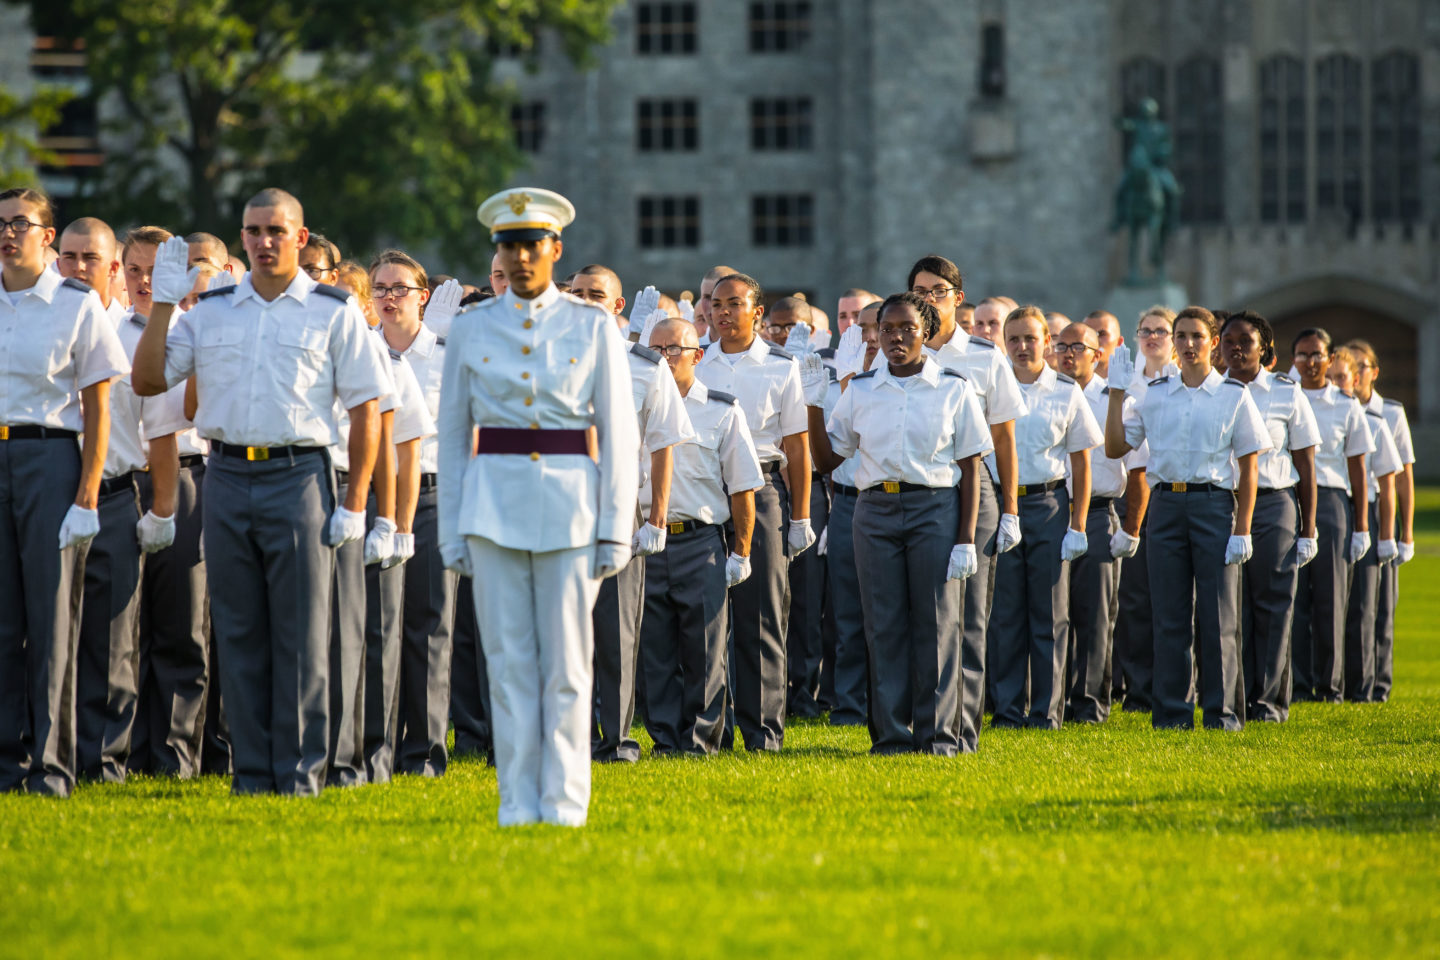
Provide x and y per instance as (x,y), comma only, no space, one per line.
(58,354)
(1054,322)
(683,633)
(766,381)
(997,525)
(1107,330)
(107,657)
(704,329)
(1095,576)
(988,319)
(178,688)
(621,603)
(498,283)
(847,310)
(965,317)
(270,356)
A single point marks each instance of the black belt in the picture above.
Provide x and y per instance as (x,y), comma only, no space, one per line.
(31,431)
(1191,487)
(342,476)
(192,460)
(1031,489)
(848,491)
(771,466)
(1101,502)
(263,453)
(686,526)
(126,481)
(427,481)
(897,486)
(1266,491)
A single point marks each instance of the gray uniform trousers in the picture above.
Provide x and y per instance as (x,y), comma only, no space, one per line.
(380,685)
(619,607)
(1360,617)
(470,680)
(107,678)
(805,636)
(1094,580)
(39,634)
(1134,638)
(1317,634)
(852,674)
(903,542)
(215,750)
(426,646)
(346,766)
(270,574)
(979,599)
(759,612)
(682,642)
(1268,581)
(1385,631)
(1030,621)
(1188,535)
(174,639)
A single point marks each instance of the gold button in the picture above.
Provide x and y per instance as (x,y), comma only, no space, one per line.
(517,306)
(525,350)
(534,456)
(525,375)
(528,324)
(529,400)
(534,426)
(572,359)
(484,359)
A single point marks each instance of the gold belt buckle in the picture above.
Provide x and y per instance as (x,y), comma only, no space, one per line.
(1021,490)
(257,453)
(4,433)
(891,486)
(1179,487)
(676,527)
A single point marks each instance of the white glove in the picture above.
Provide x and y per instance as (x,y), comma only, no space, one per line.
(78,526)
(1007,536)
(155,533)
(1122,372)
(649,539)
(822,546)
(220,281)
(456,557)
(801,536)
(172,277)
(1305,550)
(814,379)
(610,559)
(404,550)
(1359,545)
(798,341)
(1386,550)
(850,353)
(346,527)
(687,308)
(651,322)
(444,303)
(1074,546)
(1407,553)
(737,570)
(1239,549)
(963,562)
(646,302)
(380,541)
(1123,546)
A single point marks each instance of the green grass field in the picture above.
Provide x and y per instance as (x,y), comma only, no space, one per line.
(1315,838)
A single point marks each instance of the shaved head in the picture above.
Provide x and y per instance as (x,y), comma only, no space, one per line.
(91,227)
(275,197)
(1079,333)
(682,332)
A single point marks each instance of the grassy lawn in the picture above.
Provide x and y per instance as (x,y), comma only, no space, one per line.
(1315,838)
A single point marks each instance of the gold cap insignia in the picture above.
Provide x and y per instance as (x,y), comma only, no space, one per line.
(518,202)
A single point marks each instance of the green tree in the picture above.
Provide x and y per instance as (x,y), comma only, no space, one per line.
(382,117)
(22,121)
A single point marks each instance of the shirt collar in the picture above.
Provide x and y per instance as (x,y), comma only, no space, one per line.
(699,393)
(423,345)
(1047,379)
(135,318)
(929,372)
(547,297)
(1264,380)
(45,285)
(1096,386)
(758,350)
(299,290)
(1210,384)
(1377,402)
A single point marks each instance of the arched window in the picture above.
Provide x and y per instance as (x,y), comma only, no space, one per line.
(1339,135)
(1199,143)
(1282,140)
(1395,137)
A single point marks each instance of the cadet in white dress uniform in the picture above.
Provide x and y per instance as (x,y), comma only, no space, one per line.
(57,351)
(270,357)
(535,517)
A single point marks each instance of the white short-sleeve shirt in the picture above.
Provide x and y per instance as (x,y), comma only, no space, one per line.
(1291,424)
(1340,420)
(1107,476)
(766,381)
(1195,433)
(717,462)
(1057,422)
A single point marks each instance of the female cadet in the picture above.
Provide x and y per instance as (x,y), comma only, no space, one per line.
(1134,643)
(1394,413)
(1317,636)
(1381,470)
(1030,622)
(1283,528)
(916,431)
(1205,436)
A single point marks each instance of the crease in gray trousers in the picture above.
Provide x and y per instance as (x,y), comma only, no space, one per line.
(805,635)
(347,664)
(270,574)
(1317,633)
(379,690)
(903,542)
(426,648)
(1094,582)
(1268,581)
(759,614)
(470,680)
(683,642)
(979,600)
(1188,536)
(1030,620)
(107,677)
(619,606)
(851,670)
(1361,613)
(1134,637)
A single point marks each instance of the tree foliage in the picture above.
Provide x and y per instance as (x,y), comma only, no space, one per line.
(383,117)
(22,121)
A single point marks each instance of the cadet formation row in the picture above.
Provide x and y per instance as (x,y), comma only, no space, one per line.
(291,522)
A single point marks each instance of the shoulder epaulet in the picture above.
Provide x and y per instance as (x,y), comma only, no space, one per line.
(781,352)
(395,355)
(1391,403)
(827,353)
(1158,380)
(719,396)
(863,376)
(221,292)
(1234,383)
(79,285)
(1283,379)
(946,371)
(834,376)
(332,292)
(981,342)
(645,353)
(440,340)
(1374,413)
(1105,391)
(1064,379)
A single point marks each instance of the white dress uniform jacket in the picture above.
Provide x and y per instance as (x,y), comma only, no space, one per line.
(1057,423)
(1195,432)
(1291,424)
(717,462)
(766,381)
(1340,420)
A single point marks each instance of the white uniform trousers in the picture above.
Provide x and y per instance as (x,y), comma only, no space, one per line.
(533,610)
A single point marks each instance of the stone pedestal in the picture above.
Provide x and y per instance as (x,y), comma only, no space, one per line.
(1128,302)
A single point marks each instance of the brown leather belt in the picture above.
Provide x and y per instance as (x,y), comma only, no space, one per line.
(534,443)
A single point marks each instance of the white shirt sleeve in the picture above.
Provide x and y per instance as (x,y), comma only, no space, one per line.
(667,422)
(618,436)
(1133,422)
(455,428)
(1084,432)
(1304,429)
(412,417)
(739,465)
(1251,435)
(1358,438)
(844,441)
(1404,443)
(180,347)
(99,354)
(361,372)
(972,433)
(1006,402)
(793,418)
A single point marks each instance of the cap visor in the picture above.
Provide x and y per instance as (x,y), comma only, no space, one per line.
(517,236)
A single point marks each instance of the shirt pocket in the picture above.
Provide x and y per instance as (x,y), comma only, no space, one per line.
(698,460)
(302,353)
(569,372)
(221,358)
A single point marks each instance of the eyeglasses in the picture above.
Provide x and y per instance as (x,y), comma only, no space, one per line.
(779,329)
(399,292)
(1152,333)
(939,293)
(19,225)
(1366,365)
(1315,357)
(1064,348)
(317,271)
(674,350)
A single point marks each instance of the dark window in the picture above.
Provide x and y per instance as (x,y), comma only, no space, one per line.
(665,28)
(779,27)
(782,123)
(1199,141)
(992,60)
(668,222)
(1339,136)
(1282,140)
(782,220)
(666,125)
(1395,137)
(528,120)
